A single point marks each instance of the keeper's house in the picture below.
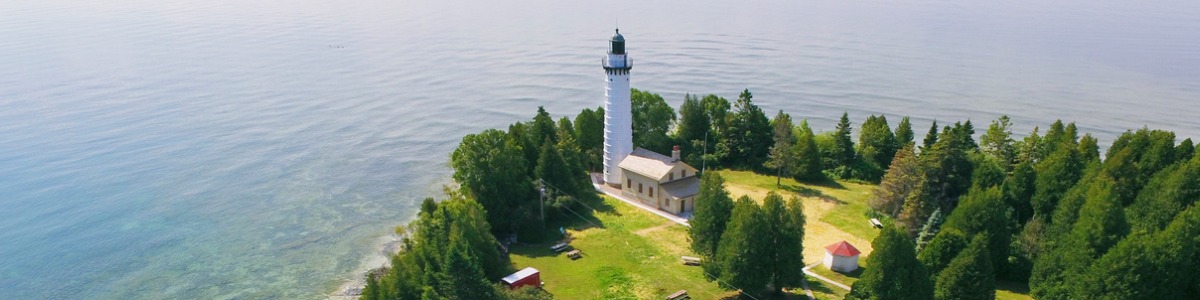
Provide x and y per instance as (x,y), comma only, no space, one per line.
(660,181)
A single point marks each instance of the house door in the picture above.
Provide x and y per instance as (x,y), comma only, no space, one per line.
(682,206)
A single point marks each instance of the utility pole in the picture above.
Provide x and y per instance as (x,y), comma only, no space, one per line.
(542,199)
(704,155)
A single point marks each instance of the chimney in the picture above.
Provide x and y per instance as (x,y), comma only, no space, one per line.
(675,154)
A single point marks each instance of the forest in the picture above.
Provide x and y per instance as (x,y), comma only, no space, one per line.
(1047,209)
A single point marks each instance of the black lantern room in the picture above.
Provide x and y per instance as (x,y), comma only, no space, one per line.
(617,43)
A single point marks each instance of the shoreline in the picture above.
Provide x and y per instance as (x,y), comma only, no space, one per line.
(385,247)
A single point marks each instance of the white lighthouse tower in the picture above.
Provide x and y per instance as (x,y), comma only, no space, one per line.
(618,120)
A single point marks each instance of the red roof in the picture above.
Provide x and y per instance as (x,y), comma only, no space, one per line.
(842,249)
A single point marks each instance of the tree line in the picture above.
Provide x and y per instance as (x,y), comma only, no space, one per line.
(1046,210)
(757,249)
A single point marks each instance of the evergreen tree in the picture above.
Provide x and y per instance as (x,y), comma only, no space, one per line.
(717,110)
(1018,190)
(900,180)
(930,229)
(1030,149)
(1159,265)
(984,213)
(693,127)
(1055,175)
(785,236)
(904,133)
(843,147)
(781,156)
(709,217)
(742,252)
(1168,192)
(1089,150)
(969,276)
(589,133)
(463,275)
(942,249)
(1185,150)
(749,134)
(894,271)
(930,138)
(917,208)
(808,155)
(876,143)
(542,127)
(998,143)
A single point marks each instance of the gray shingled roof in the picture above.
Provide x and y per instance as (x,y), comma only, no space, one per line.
(682,188)
(649,164)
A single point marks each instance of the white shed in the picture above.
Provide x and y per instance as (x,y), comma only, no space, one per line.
(841,257)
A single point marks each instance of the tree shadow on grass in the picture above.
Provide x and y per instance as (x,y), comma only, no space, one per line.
(819,286)
(805,191)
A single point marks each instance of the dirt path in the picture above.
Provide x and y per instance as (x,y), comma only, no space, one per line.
(645,231)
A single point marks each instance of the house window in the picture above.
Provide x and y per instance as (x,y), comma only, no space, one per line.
(683,173)
(668,202)
(639,187)
(651,192)
(628,183)
(670,176)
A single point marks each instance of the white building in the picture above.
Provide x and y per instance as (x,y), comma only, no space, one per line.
(618,120)
(659,181)
(841,257)
(654,179)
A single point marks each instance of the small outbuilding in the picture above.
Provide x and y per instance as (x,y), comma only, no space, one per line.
(841,257)
(525,277)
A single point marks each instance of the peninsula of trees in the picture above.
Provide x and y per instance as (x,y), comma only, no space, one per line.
(958,213)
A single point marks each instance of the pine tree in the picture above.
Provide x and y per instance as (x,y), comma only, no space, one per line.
(969,276)
(742,252)
(998,143)
(876,143)
(589,133)
(463,275)
(692,129)
(749,134)
(900,180)
(983,212)
(904,133)
(930,138)
(785,233)
(843,147)
(709,217)
(942,249)
(808,155)
(781,156)
(894,271)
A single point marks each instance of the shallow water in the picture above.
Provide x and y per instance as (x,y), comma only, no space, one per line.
(264,149)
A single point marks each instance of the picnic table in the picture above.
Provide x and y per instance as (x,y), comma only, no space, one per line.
(691,261)
(574,254)
(560,247)
(680,295)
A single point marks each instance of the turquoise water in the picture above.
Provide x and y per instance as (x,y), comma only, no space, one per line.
(264,149)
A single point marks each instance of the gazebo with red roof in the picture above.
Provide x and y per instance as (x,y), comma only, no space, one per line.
(841,257)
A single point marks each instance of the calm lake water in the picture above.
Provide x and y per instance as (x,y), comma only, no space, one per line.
(264,149)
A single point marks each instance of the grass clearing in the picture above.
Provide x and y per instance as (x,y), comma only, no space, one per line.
(632,255)
(835,211)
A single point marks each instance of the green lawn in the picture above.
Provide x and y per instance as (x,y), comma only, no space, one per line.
(632,255)
(835,210)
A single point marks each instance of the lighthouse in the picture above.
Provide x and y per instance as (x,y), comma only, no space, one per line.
(618,120)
